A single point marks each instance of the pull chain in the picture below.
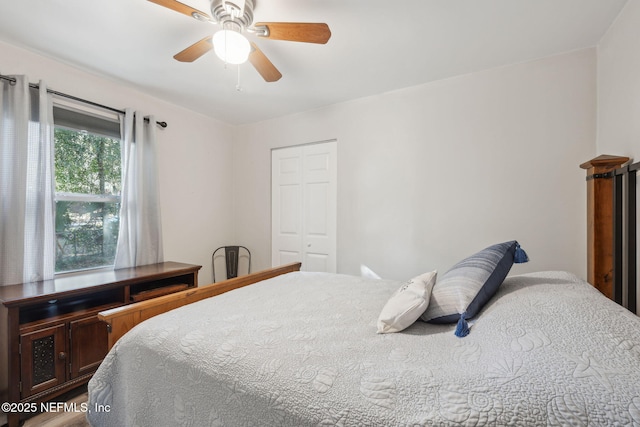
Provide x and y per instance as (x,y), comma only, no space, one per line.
(238,87)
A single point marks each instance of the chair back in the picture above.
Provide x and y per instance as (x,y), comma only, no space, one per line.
(236,258)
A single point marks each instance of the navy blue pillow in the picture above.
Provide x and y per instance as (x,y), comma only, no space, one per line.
(468,285)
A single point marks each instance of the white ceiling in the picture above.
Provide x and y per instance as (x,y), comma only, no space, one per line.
(376,46)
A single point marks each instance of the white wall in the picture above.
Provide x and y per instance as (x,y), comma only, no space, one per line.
(433,173)
(194,156)
(619,87)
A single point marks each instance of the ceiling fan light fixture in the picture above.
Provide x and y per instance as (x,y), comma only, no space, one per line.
(231,46)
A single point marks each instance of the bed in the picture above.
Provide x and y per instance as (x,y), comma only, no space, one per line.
(301,349)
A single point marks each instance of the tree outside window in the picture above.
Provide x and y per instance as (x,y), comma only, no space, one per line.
(88,184)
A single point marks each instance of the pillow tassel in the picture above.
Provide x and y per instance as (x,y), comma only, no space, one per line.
(462,328)
(520,256)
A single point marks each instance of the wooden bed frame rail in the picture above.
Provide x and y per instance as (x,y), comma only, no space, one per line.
(122,319)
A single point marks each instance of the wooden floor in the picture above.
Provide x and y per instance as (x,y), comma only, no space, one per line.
(61,419)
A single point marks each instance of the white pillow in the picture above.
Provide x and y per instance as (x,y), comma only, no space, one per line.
(407,304)
(368,273)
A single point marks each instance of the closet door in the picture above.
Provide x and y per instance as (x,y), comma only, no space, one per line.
(286,206)
(304,207)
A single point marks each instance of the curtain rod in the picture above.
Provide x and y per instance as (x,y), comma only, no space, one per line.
(75,98)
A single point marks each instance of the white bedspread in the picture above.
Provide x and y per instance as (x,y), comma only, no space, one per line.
(302,349)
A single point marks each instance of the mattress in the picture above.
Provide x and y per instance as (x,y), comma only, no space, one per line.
(302,350)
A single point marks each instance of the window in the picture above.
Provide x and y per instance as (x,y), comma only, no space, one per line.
(87,189)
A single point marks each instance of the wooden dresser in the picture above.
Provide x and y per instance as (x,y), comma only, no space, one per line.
(50,337)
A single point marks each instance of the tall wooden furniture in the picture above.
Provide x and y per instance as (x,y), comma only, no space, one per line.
(600,220)
(51,339)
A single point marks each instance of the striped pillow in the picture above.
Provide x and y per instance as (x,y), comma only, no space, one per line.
(468,285)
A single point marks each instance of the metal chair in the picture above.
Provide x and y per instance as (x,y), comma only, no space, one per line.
(232,257)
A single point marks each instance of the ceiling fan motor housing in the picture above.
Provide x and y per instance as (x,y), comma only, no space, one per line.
(237,11)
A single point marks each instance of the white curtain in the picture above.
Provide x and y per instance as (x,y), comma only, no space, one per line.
(27,227)
(140,234)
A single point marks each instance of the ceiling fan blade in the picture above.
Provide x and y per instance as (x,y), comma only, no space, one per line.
(296,31)
(261,63)
(194,51)
(183,8)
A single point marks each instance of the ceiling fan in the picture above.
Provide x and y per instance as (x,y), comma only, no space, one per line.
(236,16)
